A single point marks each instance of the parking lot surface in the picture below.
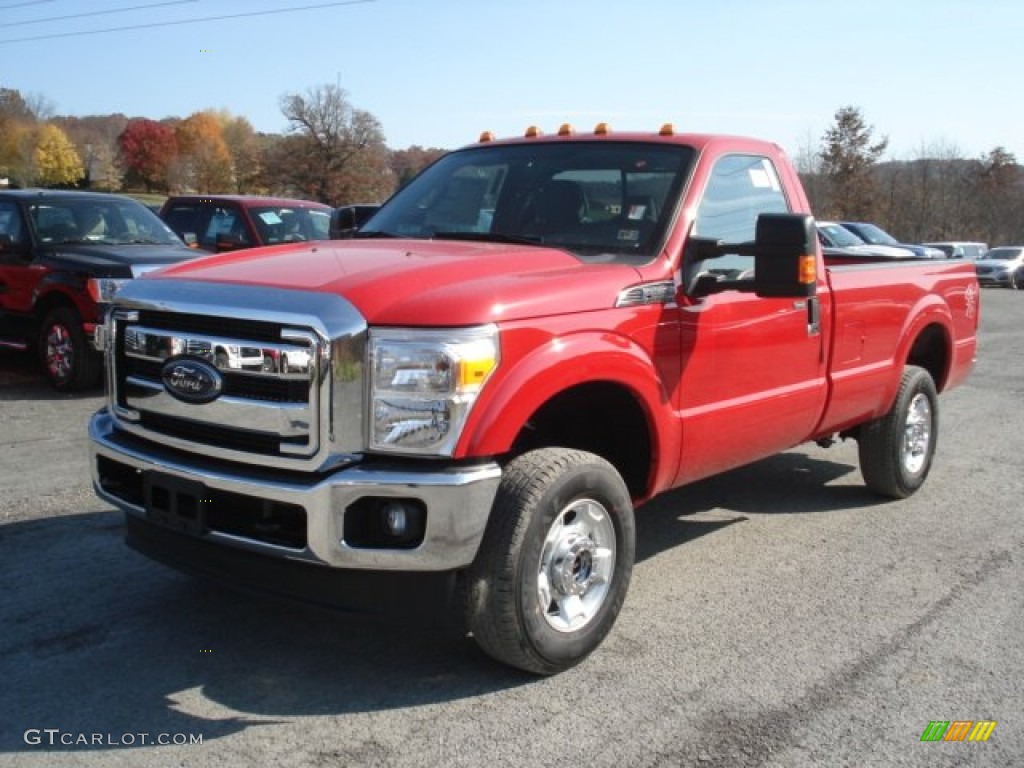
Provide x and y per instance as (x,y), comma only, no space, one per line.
(779,615)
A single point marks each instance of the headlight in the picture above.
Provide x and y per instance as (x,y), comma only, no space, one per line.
(423,386)
(102,289)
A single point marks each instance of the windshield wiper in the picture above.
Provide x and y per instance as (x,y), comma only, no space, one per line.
(373,234)
(488,237)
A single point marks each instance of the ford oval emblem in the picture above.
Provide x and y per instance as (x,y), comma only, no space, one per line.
(192,381)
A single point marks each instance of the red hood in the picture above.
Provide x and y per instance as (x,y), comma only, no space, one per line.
(425,282)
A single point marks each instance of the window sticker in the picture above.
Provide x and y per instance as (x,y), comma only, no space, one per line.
(629,235)
(759,178)
(764,177)
(270,218)
(636,212)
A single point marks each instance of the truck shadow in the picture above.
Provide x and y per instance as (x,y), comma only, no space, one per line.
(21,378)
(794,482)
(99,640)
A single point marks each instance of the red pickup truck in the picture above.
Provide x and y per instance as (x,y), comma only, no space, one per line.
(531,339)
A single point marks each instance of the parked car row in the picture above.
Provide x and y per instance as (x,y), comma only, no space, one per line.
(1001,266)
(64,254)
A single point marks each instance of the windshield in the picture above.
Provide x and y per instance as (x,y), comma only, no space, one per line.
(869,233)
(603,201)
(99,220)
(837,237)
(1004,254)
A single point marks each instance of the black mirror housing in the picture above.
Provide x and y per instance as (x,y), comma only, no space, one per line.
(785,255)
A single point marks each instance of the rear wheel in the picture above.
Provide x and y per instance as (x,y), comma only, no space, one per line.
(68,359)
(896,450)
(555,563)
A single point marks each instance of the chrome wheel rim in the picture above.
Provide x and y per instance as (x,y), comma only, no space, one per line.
(59,352)
(576,565)
(917,434)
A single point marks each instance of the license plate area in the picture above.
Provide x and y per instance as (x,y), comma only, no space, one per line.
(176,503)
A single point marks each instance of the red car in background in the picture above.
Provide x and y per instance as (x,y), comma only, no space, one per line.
(231,222)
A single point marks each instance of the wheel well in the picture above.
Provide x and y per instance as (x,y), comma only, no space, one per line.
(931,352)
(599,417)
(48,303)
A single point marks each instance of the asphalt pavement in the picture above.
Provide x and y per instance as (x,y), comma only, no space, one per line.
(779,615)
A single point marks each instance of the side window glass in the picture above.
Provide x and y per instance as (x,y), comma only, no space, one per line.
(10,224)
(225,221)
(741,188)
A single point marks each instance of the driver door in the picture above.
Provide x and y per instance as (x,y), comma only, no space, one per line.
(753,369)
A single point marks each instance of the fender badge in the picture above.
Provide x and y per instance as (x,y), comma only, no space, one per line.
(192,381)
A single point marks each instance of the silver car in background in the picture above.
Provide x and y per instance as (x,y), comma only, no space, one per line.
(1002,266)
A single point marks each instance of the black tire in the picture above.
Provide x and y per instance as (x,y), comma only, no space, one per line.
(896,450)
(562,525)
(284,363)
(221,360)
(1017,280)
(68,359)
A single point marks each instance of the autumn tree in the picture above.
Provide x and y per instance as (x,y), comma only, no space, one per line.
(17,123)
(848,157)
(204,160)
(406,163)
(95,138)
(332,134)
(999,196)
(147,149)
(246,153)
(57,162)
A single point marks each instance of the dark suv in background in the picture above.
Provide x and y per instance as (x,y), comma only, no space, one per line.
(63,255)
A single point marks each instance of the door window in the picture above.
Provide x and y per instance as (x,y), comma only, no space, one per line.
(740,189)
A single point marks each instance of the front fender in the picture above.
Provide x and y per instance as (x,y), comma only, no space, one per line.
(557,365)
(70,287)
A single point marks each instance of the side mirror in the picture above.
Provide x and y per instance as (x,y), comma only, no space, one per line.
(785,259)
(346,220)
(226,242)
(9,245)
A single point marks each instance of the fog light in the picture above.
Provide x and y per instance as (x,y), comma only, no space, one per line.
(395,518)
(375,522)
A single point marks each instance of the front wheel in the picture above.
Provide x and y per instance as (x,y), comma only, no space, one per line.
(554,566)
(1017,280)
(896,450)
(68,361)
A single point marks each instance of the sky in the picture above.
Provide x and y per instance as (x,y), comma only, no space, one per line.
(932,76)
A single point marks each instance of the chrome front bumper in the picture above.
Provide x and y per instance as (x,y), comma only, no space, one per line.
(458,501)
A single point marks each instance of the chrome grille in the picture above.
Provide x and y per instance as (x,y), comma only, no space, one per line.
(279,399)
(267,412)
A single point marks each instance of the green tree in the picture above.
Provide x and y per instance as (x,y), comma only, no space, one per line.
(848,158)
(56,160)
